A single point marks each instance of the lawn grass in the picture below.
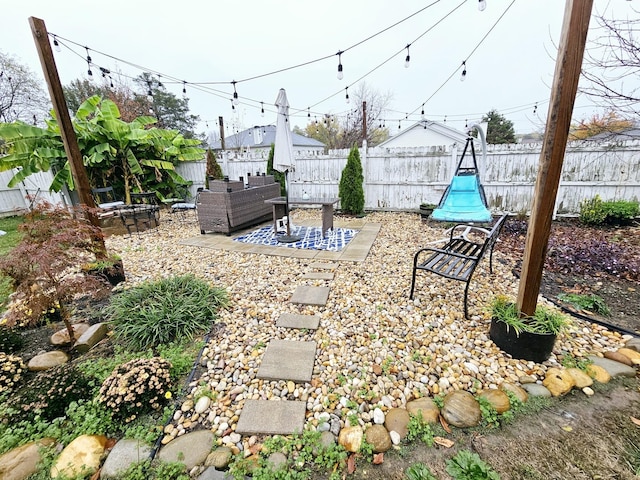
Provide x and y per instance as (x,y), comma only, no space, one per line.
(7,243)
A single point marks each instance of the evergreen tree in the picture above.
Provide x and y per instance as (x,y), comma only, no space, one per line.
(214,170)
(278,176)
(499,130)
(351,190)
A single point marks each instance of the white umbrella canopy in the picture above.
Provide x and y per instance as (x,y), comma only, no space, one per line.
(283,159)
(283,153)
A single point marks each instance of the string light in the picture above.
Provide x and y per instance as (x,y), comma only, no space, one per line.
(463,77)
(111,82)
(482,4)
(56,45)
(340,74)
(308,112)
(399,122)
(233,107)
(346,97)
(89,72)
(235,100)
(535,108)
(184,89)
(262,109)
(406,60)
(104,71)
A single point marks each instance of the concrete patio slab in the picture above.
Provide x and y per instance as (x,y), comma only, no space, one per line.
(323,266)
(271,417)
(306,295)
(288,360)
(294,320)
(318,275)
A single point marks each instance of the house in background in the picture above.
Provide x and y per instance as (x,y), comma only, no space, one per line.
(259,139)
(425,133)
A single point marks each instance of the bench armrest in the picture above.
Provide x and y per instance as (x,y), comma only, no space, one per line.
(467,229)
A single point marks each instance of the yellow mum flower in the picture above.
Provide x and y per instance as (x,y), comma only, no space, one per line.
(167,395)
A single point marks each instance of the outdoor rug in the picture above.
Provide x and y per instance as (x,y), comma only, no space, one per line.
(310,238)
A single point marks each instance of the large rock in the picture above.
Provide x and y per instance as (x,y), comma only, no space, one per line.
(61,337)
(47,360)
(191,449)
(219,458)
(426,407)
(598,373)
(22,462)
(378,436)
(631,355)
(580,378)
(537,390)
(122,456)
(615,369)
(461,410)
(90,337)
(618,357)
(497,398)
(633,344)
(558,381)
(81,456)
(397,420)
(351,438)
(518,391)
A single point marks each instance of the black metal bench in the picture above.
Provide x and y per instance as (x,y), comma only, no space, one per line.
(459,257)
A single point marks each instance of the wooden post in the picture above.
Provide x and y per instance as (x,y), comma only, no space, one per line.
(69,139)
(364,122)
(563,94)
(221,125)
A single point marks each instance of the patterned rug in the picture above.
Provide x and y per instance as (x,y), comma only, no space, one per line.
(310,238)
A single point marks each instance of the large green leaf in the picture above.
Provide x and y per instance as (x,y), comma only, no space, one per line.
(132,161)
(88,107)
(61,178)
(159,164)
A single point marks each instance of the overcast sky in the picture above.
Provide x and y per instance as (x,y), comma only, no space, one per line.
(222,41)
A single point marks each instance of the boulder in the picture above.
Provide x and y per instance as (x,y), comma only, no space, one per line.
(518,391)
(598,373)
(378,436)
(580,378)
(219,458)
(47,360)
(351,438)
(631,355)
(497,398)
(191,448)
(615,369)
(397,420)
(81,457)
(90,337)
(61,337)
(22,462)
(426,407)
(618,357)
(461,410)
(558,381)
(537,390)
(124,453)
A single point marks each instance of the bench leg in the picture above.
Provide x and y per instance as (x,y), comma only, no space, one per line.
(466,291)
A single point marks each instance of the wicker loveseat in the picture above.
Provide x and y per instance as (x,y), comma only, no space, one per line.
(228,206)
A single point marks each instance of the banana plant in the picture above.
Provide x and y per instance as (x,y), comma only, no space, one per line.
(133,156)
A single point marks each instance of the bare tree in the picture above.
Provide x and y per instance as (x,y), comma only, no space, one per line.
(21,95)
(611,64)
(352,128)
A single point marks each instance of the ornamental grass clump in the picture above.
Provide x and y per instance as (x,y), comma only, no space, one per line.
(11,370)
(137,387)
(174,309)
(543,321)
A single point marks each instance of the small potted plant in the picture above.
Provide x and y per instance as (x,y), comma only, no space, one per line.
(109,268)
(426,209)
(528,338)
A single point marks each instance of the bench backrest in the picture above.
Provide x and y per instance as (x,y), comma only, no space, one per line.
(493,234)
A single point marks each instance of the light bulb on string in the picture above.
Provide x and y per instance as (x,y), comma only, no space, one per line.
(482,4)
(308,112)
(184,89)
(406,60)
(89,72)
(346,96)
(422,113)
(262,109)
(236,101)
(233,107)
(56,45)
(535,108)
(111,83)
(149,92)
(399,122)
(340,74)
(463,76)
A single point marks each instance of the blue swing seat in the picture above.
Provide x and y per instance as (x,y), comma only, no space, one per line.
(463,201)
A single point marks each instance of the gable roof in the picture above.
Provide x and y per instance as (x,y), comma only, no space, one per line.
(439,128)
(263,137)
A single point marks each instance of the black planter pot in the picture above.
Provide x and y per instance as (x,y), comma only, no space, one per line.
(425,212)
(114,274)
(536,347)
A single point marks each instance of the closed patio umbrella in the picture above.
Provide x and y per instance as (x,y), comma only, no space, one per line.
(283,160)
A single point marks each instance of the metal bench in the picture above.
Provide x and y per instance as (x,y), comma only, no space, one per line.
(459,257)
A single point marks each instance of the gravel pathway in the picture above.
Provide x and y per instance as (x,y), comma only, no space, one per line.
(375,346)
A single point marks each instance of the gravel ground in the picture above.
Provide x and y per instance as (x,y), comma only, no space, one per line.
(375,346)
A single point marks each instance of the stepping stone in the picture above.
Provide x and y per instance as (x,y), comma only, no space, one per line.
(271,417)
(318,275)
(323,266)
(293,320)
(288,360)
(305,295)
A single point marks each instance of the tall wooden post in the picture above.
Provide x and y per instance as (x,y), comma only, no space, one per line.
(563,94)
(364,121)
(69,139)
(221,124)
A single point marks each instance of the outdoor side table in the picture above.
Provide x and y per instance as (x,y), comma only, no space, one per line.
(279,207)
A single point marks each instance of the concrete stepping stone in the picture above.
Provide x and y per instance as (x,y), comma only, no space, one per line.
(271,417)
(191,449)
(318,275)
(288,360)
(294,320)
(306,295)
(323,266)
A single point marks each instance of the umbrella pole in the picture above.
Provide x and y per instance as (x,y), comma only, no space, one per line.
(286,199)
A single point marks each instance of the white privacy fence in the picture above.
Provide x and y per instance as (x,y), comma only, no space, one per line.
(401,179)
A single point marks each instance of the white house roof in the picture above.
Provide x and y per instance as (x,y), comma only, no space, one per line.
(429,127)
(263,136)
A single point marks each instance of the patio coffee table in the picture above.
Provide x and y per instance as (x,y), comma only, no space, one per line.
(279,205)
